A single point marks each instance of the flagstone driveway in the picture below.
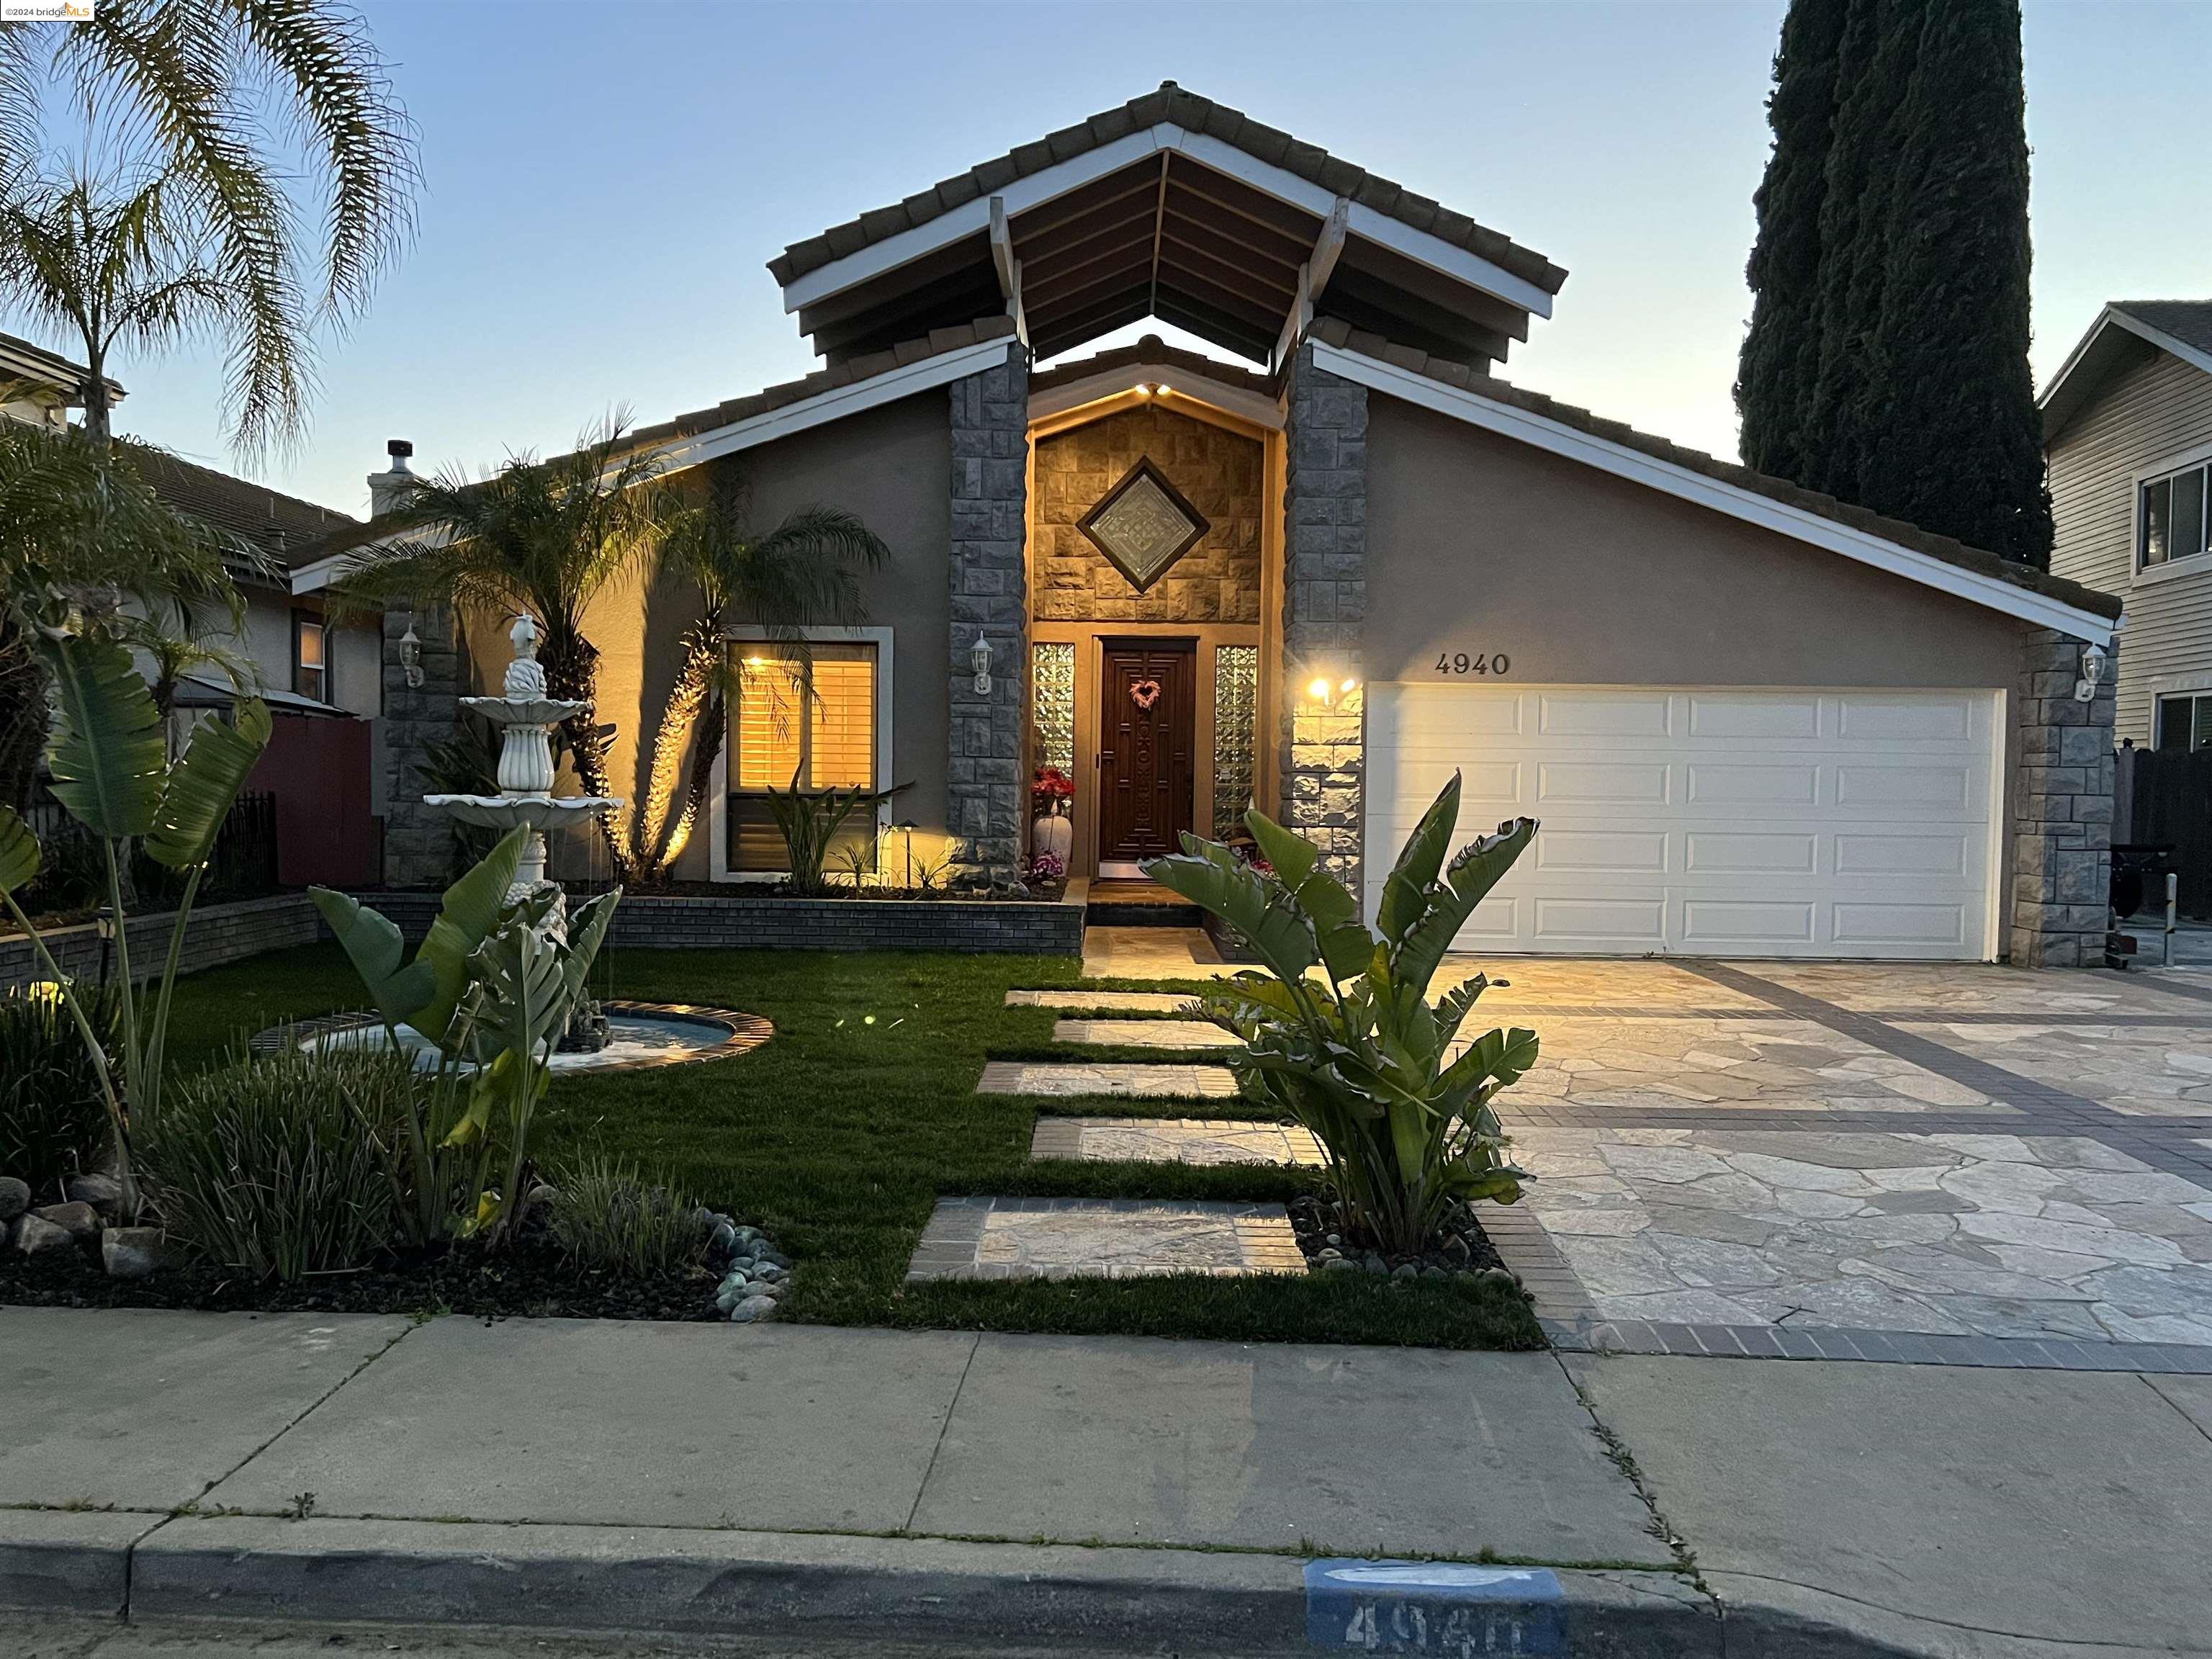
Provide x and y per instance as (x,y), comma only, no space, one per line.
(1952,1151)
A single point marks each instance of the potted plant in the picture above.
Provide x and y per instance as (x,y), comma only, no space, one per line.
(1052,836)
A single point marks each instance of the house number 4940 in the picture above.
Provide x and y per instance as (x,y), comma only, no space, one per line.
(1466,662)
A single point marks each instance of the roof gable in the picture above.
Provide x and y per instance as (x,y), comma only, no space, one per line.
(1170,205)
(2125,332)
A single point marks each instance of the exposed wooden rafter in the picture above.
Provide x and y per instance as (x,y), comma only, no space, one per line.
(1009,268)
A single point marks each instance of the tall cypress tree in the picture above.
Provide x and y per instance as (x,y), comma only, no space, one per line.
(1782,352)
(1961,444)
(1887,360)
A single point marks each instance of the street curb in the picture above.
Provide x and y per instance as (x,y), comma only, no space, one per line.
(965,1596)
(68,1560)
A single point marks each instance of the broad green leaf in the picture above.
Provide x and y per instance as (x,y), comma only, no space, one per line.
(471,910)
(374,945)
(19,852)
(203,785)
(1406,894)
(1346,946)
(524,1004)
(1293,856)
(1502,1054)
(1211,878)
(1478,867)
(587,929)
(107,754)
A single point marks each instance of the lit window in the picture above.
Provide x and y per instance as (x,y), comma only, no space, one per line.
(310,667)
(817,729)
(2174,521)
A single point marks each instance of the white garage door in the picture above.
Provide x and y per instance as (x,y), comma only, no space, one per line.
(1752,824)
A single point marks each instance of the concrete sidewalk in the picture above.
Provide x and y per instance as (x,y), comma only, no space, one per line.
(975,1490)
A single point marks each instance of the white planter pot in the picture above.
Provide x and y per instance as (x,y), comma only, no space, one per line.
(1055,835)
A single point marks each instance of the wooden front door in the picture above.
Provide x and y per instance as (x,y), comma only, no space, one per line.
(1147,739)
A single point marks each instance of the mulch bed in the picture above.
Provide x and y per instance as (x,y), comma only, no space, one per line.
(532,1279)
(1461,1249)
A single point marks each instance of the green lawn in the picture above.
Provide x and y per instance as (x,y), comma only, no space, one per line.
(839,1134)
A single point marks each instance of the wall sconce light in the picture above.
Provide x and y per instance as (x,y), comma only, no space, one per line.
(2095,660)
(1325,691)
(410,656)
(979,659)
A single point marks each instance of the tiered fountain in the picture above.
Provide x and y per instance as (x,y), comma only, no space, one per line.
(525,717)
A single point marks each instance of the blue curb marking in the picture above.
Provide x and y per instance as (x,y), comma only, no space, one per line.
(1445,1607)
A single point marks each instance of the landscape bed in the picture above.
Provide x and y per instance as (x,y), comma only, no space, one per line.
(837,1137)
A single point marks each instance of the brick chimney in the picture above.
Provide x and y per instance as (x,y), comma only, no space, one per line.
(387,489)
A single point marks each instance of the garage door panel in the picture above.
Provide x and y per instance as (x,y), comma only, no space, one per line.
(1768,823)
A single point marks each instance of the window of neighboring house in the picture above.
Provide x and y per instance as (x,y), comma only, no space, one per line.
(2172,521)
(311,670)
(817,728)
(2185,721)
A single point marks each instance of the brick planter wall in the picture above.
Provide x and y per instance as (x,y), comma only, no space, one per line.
(219,934)
(739,923)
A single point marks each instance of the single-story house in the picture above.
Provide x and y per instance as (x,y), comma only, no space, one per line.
(1754,721)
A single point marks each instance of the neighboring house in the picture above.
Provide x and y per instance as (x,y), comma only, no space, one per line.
(2127,423)
(322,680)
(1753,721)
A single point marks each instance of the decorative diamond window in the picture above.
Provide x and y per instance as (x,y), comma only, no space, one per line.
(1143,525)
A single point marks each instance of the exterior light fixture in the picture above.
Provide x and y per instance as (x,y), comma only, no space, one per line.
(979,659)
(1349,685)
(2095,660)
(410,656)
(1321,691)
(1162,388)
(907,830)
(1143,389)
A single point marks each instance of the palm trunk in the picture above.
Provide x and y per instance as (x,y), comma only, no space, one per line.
(661,836)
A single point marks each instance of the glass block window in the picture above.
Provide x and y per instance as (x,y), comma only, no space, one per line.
(1052,668)
(1236,730)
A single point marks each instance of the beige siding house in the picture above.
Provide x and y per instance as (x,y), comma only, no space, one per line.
(2127,427)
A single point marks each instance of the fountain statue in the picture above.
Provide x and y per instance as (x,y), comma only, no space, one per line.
(527,717)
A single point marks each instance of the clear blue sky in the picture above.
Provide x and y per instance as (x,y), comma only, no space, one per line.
(606,180)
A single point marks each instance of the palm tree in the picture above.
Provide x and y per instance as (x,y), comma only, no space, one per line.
(112,263)
(543,537)
(802,573)
(197,90)
(83,520)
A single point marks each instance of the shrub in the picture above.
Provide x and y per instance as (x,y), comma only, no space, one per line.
(281,1166)
(54,1117)
(607,1217)
(1356,1052)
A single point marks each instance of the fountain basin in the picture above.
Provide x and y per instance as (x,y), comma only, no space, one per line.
(526,811)
(644,1035)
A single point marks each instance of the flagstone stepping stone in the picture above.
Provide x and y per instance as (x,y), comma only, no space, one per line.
(1174,1141)
(1131,1081)
(982,1237)
(1127,1002)
(1146,1033)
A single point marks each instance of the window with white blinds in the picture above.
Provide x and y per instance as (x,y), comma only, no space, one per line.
(792,724)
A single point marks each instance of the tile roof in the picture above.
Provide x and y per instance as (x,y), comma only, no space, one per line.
(1171,104)
(1948,548)
(2188,321)
(287,529)
(729,413)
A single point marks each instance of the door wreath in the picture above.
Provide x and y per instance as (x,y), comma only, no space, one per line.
(1144,693)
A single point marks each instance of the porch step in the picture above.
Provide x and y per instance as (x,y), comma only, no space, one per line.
(1122,903)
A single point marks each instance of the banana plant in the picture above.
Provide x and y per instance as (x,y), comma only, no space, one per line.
(425,995)
(1340,1033)
(526,985)
(109,763)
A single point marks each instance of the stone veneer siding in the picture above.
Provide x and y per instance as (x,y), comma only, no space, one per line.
(2062,809)
(647,923)
(1323,766)
(984,795)
(417,841)
(1221,472)
(219,933)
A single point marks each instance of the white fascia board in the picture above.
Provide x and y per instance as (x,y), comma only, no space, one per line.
(1042,186)
(1680,482)
(1240,401)
(835,403)
(2112,317)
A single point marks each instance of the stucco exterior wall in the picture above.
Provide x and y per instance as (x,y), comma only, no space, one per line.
(1480,543)
(888,465)
(1218,470)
